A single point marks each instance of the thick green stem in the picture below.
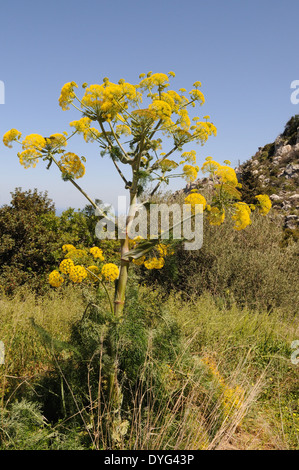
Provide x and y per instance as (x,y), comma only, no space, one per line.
(120,291)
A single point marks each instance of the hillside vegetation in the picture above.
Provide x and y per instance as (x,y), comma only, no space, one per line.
(205,342)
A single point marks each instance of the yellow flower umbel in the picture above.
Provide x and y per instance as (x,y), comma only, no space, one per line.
(32,145)
(154,263)
(110,272)
(11,136)
(56,142)
(215,215)
(71,165)
(264,204)
(241,215)
(66,265)
(55,279)
(77,274)
(67,95)
(82,126)
(190,172)
(210,166)
(97,253)
(195,198)
(227,175)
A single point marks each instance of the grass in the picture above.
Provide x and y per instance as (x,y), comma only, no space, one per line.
(230,383)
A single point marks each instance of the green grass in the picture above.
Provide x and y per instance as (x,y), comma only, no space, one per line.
(222,351)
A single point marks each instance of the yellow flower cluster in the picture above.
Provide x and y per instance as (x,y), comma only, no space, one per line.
(264,204)
(123,129)
(55,279)
(227,175)
(67,95)
(55,141)
(241,215)
(197,95)
(70,164)
(110,272)
(210,166)
(203,130)
(97,253)
(74,265)
(215,215)
(189,157)
(82,126)
(155,262)
(11,136)
(32,145)
(157,79)
(231,397)
(68,247)
(109,99)
(168,165)
(77,274)
(66,265)
(161,109)
(195,198)
(190,172)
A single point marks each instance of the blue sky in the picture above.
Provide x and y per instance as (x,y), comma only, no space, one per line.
(245,53)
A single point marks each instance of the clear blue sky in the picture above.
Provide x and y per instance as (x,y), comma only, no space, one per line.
(245,53)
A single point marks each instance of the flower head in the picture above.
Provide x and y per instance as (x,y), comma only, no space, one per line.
(97,253)
(264,203)
(55,278)
(11,136)
(110,272)
(67,95)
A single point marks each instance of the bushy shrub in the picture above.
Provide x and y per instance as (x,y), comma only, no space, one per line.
(250,267)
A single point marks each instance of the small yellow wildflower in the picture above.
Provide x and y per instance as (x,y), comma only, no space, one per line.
(66,266)
(56,141)
(154,263)
(77,274)
(110,272)
(68,247)
(215,215)
(264,203)
(55,278)
(97,253)
(189,157)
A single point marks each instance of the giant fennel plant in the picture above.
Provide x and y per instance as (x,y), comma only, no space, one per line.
(131,123)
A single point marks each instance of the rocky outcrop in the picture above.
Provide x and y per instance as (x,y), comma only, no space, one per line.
(274,170)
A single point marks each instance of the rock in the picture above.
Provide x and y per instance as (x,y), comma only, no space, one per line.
(283,150)
(276,160)
(291,221)
(275,197)
(278,143)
